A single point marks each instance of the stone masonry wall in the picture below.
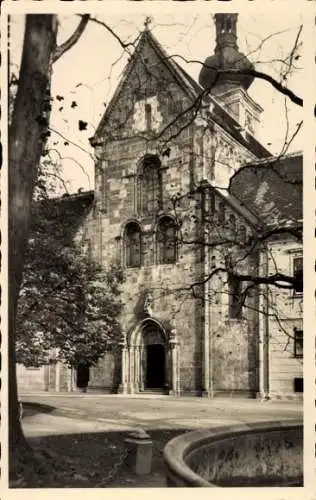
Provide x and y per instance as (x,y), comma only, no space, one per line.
(234,342)
(185,161)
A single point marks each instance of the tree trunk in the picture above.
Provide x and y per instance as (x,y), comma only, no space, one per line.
(27,134)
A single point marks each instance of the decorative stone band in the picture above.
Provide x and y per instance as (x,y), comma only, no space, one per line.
(181,452)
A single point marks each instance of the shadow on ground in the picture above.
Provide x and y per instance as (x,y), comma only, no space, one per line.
(31,409)
(93,460)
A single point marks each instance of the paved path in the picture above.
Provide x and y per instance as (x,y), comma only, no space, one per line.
(98,412)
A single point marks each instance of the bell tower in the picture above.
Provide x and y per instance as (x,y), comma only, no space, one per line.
(226,31)
(230,87)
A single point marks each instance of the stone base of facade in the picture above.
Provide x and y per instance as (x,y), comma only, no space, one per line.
(122,389)
(101,389)
(235,393)
(207,394)
(286,397)
(280,397)
(191,393)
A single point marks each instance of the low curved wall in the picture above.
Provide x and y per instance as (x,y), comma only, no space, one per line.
(258,454)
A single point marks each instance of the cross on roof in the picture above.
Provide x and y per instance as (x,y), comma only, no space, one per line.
(147,22)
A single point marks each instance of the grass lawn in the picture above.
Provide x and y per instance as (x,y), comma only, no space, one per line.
(89,460)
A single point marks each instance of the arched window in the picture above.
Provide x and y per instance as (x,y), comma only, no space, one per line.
(133,245)
(228,25)
(298,274)
(87,249)
(221,212)
(166,241)
(235,298)
(151,189)
(148,116)
(243,234)
(232,224)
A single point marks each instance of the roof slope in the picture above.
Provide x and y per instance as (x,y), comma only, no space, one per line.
(217,113)
(63,215)
(238,206)
(180,77)
(272,189)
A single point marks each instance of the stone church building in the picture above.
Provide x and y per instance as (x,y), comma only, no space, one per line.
(182,188)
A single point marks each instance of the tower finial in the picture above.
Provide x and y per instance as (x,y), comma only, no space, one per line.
(226,56)
(147,22)
(226,31)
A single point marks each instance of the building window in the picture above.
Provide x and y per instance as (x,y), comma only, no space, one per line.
(232,224)
(87,249)
(234,297)
(249,122)
(298,274)
(228,25)
(148,116)
(166,241)
(298,384)
(298,343)
(151,187)
(221,213)
(133,245)
(175,106)
(243,234)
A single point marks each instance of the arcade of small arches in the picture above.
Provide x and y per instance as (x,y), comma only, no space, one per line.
(165,242)
(150,359)
(149,203)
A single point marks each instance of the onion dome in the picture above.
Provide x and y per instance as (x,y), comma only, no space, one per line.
(226,56)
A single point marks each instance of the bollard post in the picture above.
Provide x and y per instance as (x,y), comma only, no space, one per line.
(138,447)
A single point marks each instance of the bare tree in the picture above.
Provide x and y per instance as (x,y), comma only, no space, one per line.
(27,136)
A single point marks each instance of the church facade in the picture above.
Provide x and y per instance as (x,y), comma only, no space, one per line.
(178,202)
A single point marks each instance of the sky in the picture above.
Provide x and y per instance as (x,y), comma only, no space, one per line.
(89,73)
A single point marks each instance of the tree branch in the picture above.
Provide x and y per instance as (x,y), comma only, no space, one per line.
(279,280)
(124,45)
(295,231)
(73,39)
(253,72)
(277,85)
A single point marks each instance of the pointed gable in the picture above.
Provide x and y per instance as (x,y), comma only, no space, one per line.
(154,78)
(149,72)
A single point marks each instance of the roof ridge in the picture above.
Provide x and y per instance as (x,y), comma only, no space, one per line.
(160,52)
(125,73)
(238,205)
(70,196)
(222,117)
(173,65)
(260,161)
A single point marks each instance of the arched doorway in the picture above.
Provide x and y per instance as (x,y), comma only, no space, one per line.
(83,376)
(153,362)
(150,359)
(155,377)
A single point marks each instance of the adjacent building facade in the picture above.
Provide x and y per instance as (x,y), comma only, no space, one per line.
(183,188)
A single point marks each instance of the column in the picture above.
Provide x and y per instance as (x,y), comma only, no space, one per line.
(264,334)
(131,382)
(141,368)
(175,368)
(46,377)
(123,388)
(177,363)
(57,377)
(69,378)
(137,368)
